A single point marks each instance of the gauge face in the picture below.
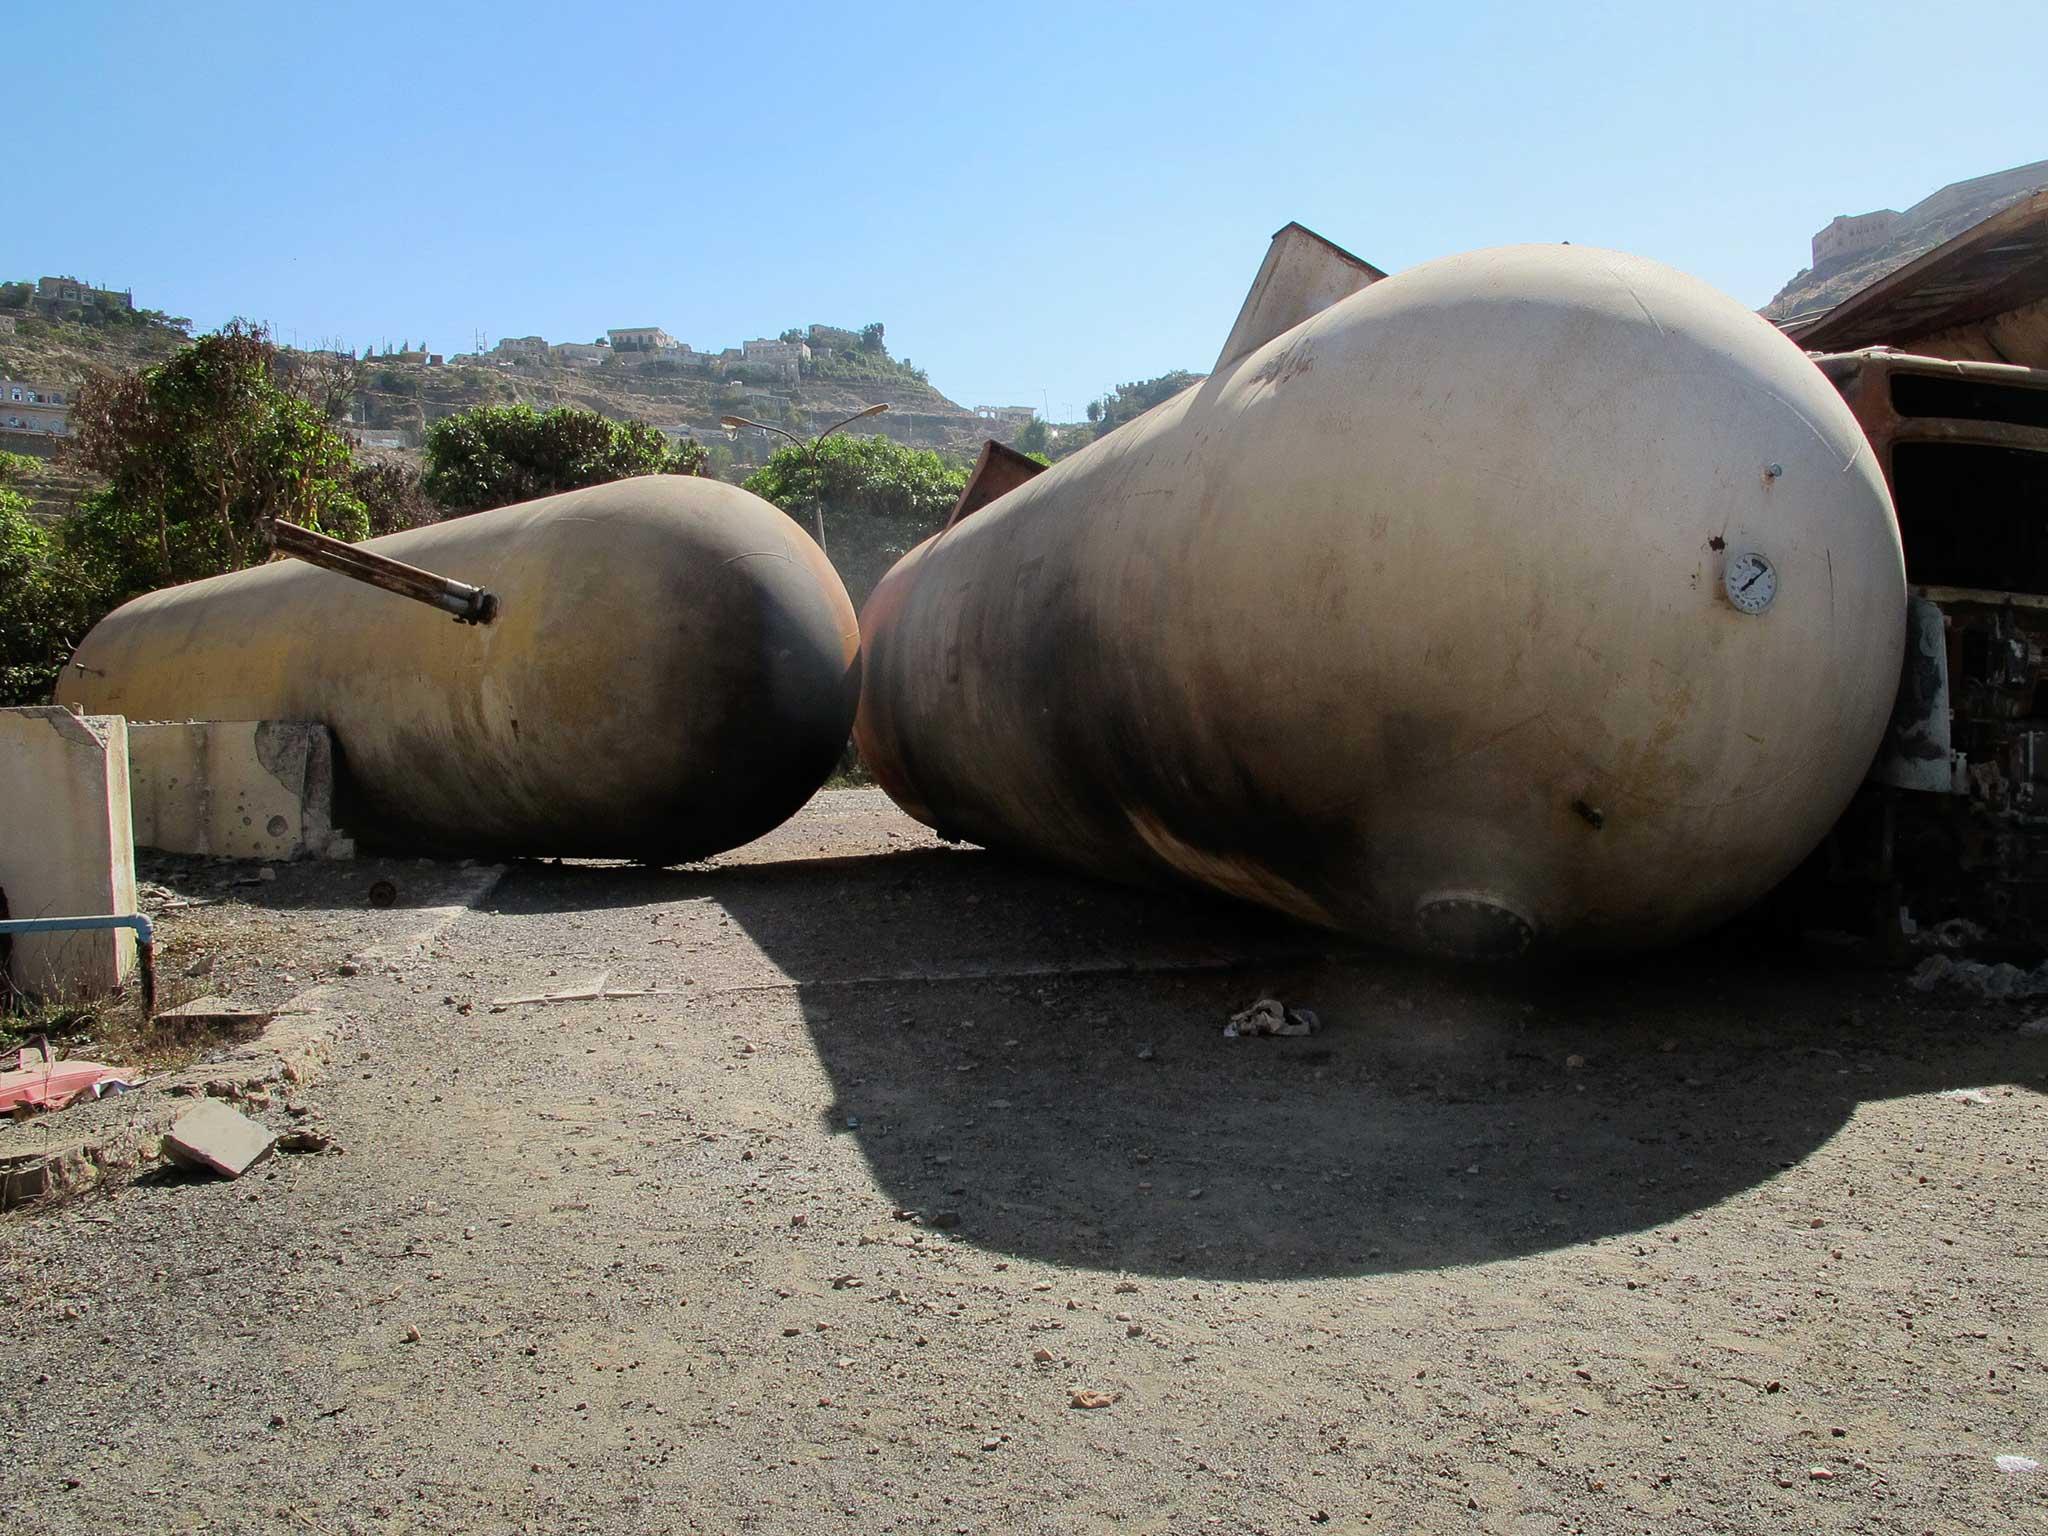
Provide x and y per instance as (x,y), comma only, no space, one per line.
(1751,581)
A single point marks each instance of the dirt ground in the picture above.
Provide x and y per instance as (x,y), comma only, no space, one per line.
(907,1146)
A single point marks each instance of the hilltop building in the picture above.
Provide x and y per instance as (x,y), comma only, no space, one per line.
(644,338)
(833,338)
(35,408)
(580,354)
(521,346)
(55,291)
(763,350)
(1006,418)
(1857,250)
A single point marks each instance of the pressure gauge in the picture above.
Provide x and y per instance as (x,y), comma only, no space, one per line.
(1751,581)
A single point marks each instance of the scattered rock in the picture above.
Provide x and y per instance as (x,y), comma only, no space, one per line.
(303,1141)
(1088,1397)
(1992,982)
(2018,1464)
(1931,973)
(213,1137)
(1270,1016)
(1042,1355)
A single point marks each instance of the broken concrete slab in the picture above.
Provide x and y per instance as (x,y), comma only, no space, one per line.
(242,789)
(66,846)
(214,1012)
(214,1137)
(26,1176)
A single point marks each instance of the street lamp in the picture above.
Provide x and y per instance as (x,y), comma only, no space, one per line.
(732,425)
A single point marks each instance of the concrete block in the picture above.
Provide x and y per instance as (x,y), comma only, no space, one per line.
(214,1137)
(66,846)
(241,789)
(211,1012)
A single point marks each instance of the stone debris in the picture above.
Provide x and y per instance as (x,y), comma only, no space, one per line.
(1089,1397)
(1991,982)
(213,1137)
(2018,1464)
(1270,1016)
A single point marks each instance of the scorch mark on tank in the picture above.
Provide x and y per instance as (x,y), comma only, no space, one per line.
(1281,635)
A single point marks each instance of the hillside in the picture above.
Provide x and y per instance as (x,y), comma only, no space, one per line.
(58,354)
(405,397)
(1855,250)
(390,401)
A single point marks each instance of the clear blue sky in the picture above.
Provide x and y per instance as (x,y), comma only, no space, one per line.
(1038,200)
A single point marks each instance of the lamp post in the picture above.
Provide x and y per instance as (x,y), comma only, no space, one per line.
(732,425)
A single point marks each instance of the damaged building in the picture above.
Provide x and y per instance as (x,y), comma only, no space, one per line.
(1944,362)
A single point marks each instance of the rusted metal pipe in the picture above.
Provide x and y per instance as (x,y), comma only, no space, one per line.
(145,941)
(470,605)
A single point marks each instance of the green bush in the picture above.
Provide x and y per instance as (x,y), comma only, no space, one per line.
(879,499)
(495,455)
(45,606)
(199,454)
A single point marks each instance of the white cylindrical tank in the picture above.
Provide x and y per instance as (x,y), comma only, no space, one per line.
(1541,594)
(672,672)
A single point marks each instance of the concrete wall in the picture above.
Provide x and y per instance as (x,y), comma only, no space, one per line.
(243,789)
(66,849)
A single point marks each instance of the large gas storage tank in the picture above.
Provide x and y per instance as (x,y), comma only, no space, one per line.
(1538,595)
(672,671)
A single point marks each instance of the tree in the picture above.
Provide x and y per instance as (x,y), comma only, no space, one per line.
(1128,401)
(326,377)
(879,496)
(494,455)
(391,495)
(871,338)
(200,454)
(864,476)
(1034,438)
(44,604)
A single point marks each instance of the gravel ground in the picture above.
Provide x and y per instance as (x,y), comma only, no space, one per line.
(906,1149)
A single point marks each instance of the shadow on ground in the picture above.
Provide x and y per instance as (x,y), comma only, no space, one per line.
(1037,1062)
